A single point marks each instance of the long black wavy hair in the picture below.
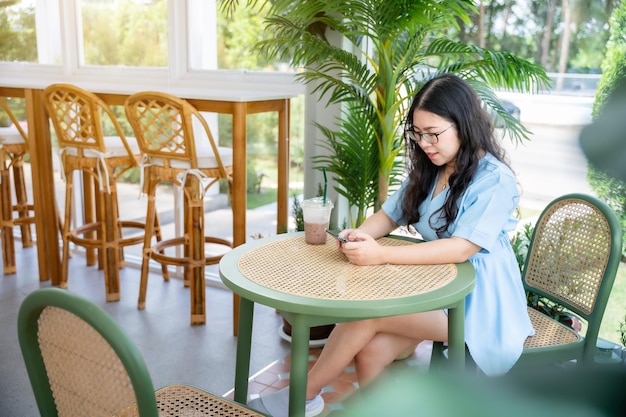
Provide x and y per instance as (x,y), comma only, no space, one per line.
(453,99)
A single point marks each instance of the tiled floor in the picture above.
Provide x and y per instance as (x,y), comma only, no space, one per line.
(275,376)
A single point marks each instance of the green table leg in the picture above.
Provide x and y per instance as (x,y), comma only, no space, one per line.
(300,332)
(244,343)
(456,337)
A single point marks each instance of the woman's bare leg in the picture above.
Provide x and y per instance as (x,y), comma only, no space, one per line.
(372,360)
(366,339)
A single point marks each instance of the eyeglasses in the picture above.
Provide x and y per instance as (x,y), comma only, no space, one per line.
(428,137)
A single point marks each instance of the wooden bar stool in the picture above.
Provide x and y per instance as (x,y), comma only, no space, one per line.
(77,116)
(173,152)
(13,150)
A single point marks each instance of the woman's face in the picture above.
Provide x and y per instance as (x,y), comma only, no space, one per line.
(445,150)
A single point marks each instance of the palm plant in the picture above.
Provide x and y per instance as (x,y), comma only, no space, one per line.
(389,50)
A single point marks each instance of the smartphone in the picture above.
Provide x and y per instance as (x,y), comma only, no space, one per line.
(336,236)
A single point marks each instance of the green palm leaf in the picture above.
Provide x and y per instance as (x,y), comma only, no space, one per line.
(354,159)
(388,49)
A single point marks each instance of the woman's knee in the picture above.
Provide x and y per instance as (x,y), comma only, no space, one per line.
(376,352)
(369,355)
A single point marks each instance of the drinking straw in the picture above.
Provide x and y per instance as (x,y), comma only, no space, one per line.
(325,185)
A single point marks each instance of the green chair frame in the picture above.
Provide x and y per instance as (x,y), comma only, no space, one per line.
(573,257)
(80,362)
(572,260)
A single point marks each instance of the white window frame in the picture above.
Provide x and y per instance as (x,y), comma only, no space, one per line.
(177,76)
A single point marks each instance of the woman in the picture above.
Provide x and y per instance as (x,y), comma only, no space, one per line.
(460,195)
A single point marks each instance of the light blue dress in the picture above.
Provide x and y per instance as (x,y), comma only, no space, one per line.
(496,320)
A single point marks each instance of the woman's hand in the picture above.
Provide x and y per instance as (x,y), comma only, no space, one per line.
(361,248)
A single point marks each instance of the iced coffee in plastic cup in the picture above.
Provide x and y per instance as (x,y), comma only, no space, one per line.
(316,215)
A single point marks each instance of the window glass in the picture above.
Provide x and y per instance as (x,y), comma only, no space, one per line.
(30,31)
(222,40)
(124,32)
(17,32)
(237,35)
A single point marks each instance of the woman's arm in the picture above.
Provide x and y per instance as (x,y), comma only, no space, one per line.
(364,250)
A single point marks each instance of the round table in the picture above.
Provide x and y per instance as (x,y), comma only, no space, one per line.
(313,285)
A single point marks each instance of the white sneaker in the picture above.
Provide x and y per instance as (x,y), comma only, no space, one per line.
(276,404)
(314,407)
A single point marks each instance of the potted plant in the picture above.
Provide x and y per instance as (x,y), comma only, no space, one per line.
(388,49)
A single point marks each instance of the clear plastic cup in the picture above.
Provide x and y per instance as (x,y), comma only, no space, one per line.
(316,215)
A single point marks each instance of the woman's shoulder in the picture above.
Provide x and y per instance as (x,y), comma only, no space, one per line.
(493,173)
(490,165)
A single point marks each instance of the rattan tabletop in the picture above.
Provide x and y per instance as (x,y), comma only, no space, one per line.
(322,271)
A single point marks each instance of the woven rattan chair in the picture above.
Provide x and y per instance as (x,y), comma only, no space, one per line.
(173,151)
(77,116)
(13,150)
(574,254)
(572,260)
(81,363)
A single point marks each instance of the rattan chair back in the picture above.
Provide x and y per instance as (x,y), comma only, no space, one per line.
(16,123)
(569,255)
(163,125)
(77,116)
(13,151)
(572,261)
(81,363)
